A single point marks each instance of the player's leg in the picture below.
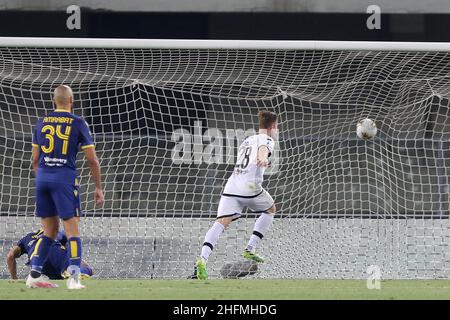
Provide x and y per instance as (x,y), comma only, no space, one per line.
(86,270)
(56,263)
(43,244)
(228,211)
(45,209)
(264,204)
(212,236)
(74,251)
(67,202)
(40,254)
(211,239)
(62,264)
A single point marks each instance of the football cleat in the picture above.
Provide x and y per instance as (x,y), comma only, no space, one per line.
(40,282)
(247,254)
(201,272)
(83,276)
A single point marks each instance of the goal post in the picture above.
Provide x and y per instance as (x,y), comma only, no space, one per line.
(167,117)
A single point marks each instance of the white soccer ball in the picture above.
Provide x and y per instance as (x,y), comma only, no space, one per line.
(366,129)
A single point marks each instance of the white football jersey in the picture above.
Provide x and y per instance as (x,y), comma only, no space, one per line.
(246,179)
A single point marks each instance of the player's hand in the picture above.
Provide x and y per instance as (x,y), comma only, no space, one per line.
(99,197)
(263,163)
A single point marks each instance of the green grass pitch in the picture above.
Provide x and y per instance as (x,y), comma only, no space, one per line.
(233,290)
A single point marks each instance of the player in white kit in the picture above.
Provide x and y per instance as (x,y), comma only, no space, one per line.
(244,190)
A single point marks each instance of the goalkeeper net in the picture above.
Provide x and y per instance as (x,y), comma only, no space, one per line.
(167,118)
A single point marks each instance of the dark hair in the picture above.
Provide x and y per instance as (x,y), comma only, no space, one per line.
(266,119)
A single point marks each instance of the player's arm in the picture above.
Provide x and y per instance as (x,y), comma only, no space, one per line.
(92,160)
(11,257)
(262,158)
(35,158)
(87,144)
(35,152)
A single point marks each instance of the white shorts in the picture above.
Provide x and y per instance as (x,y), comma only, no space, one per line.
(233,205)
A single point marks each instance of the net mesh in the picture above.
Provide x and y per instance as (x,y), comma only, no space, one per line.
(343,203)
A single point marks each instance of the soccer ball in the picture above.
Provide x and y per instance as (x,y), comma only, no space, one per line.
(366,129)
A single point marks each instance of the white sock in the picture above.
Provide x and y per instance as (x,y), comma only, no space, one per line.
(211,238)
(262,225)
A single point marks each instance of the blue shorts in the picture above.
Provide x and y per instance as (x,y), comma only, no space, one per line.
(57,199)
(56,263)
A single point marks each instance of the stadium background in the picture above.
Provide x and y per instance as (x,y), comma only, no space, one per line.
(164,213)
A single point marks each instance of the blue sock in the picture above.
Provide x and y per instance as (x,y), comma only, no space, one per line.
(40,254)
(84,269)
(74,252)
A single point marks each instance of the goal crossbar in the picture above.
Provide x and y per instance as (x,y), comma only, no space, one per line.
(41,42)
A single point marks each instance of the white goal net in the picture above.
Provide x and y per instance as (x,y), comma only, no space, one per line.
(167,118)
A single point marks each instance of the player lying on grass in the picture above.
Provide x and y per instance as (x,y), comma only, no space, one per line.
(244,190)
(55,267)
(56,141)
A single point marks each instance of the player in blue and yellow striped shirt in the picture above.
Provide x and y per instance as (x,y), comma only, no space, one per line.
(57,261)
(56,140)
